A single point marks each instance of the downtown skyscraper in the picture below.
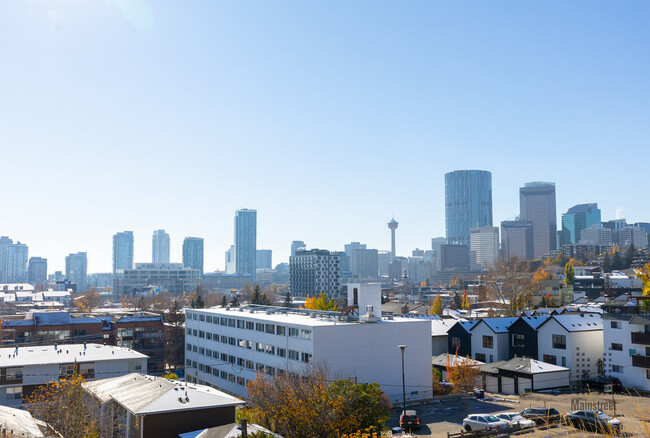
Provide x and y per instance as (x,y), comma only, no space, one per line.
(246,242)
(122,251)
(160,247)
(468,203)
(76,270)
(193,253)
(537,206)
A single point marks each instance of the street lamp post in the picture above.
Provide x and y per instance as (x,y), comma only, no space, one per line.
(402,348)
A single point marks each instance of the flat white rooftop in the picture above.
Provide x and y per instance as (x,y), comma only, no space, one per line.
(283,315)
(46,354)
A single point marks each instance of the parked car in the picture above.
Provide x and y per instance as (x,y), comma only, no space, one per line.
(409,420)
(515,420)
(484,423)
(542,416)
(596,421)
(598,383)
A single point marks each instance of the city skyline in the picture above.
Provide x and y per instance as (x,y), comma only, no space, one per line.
(305,112)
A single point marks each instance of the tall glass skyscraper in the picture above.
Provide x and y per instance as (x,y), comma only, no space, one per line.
(123,251)
(246,242)
(17,256)
(576,219)
(468,203)
(76,270)
(193,253)
(537,205)
(160,247)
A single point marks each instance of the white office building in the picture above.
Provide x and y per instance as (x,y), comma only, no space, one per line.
(483,247)
(626,339)
(226,347)
(23,369)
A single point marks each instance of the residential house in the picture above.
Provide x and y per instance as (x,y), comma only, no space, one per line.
(459,338)
(523,336)
(490,339)
(627,349)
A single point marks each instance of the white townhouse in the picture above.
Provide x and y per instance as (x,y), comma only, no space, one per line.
(23,369)
(490,339)
(627,349)
(227,347)
(572,340)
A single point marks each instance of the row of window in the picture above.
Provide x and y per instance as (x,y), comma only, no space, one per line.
(260,347)
(272,329)
(518,340)
(280,330)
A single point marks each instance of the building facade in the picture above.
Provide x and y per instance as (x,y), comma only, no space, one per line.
(148,278)
(296,245)
(123,250)
(576,219)
(37,270)
(627,349)
(517,239)
(246,242)
(193,253)
(16,267)
(315,271)
(160,247)
(483,247)
(76,270)
(468,203)
(264,259)
(4,247)
(537,206)
(596,235)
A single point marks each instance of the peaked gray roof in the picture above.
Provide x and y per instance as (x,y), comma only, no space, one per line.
(497,325)
(579,322)
(526,365)
(142,394)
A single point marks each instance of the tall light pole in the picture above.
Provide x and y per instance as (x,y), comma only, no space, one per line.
(402,348)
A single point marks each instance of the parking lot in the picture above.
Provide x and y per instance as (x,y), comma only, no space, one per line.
(439,418)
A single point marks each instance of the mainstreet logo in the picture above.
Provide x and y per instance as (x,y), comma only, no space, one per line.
(581,404)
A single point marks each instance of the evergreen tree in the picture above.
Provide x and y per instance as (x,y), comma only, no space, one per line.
(258,297)
(288,300)
(235,300)
(617,263)
(607,264)
(629,255)
(457,301)
(224,301)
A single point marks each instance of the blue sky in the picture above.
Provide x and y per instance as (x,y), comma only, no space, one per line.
(327,117)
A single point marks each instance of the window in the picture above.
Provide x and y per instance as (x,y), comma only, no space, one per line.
(270,328)
(518,340)
(259,346)
(14,393)
(305,334)
(488,342)
(232,341)
(208,336)
(293,355)
(617,369)
(294,332)
(616,324)
(201,334)
(241,343)
(66,370)
(305,357)
(455,342)
(208,319)
(201,350)
(559,341)
(14,373)
(617,347)
(249,345)
(282,352)
(259,326)
(223,321)
(201,318)
(250,325)
(270,349)
(563,361)
(240,324)
(480,357)
(87,369)
(550,359)
(124,332)
(280,330)
(241,381)
(231,322)
(79,332)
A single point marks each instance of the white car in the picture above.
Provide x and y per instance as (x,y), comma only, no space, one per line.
(515,420)
(484,422)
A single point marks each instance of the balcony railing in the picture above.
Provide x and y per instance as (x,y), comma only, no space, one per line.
(640,361)
(641,338)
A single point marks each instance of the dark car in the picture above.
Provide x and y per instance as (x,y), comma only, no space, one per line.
(542,416)
(598,383)
(596,421)
(409,420)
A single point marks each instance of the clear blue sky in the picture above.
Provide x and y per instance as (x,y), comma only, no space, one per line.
(327,117)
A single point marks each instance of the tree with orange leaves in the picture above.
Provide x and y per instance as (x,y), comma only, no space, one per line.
(462,373)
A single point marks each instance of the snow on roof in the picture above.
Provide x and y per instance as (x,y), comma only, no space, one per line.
(440,327)
(442,359)
(20,422)
(579,322)
(535,321)
(47,354)
(139,318)
(52,318)
(527,365)
(467,325)
(497,325)
(142,394)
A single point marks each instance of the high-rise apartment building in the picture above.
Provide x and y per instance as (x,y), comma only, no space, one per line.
(630,235)
(596,235)
(296,245)
(123,250)
(483,247)
(76,270)
(246,242)
(264,259)
(517,239)
(17,256)
(576,219)
(193,253)
(230,260)
(468,203)
(315,271)
(365,262)
(537,205)
(37,270)
(4,247)
(160,247)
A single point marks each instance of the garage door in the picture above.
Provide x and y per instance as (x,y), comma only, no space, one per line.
(507,385)
(491,384)
(524,384)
